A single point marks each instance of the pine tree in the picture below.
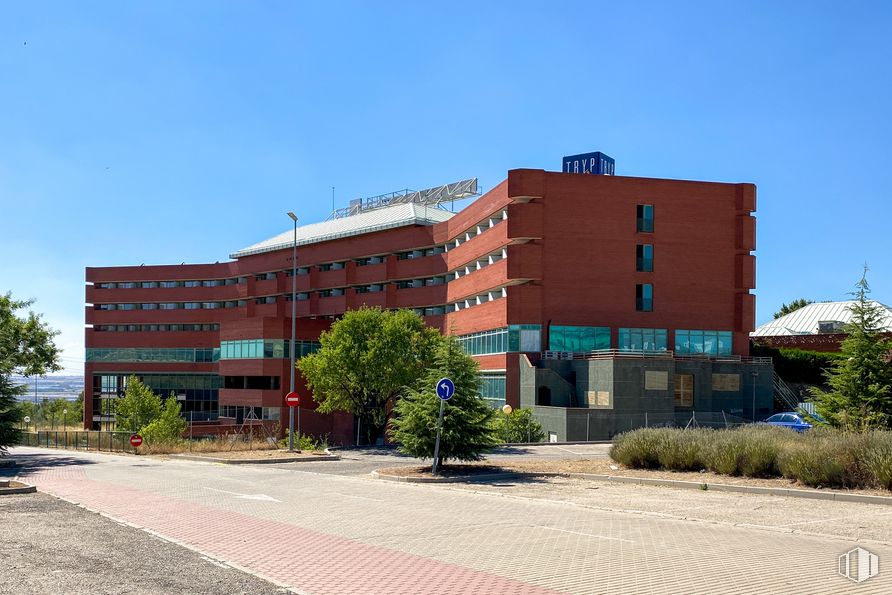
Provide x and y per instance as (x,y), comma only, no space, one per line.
(468,431)
(860,383)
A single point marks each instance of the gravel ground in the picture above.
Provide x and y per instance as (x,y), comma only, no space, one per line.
(51,546)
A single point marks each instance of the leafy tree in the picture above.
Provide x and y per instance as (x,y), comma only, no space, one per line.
(365,361)
(860,382)
(168,426)
(26,348)
(792,307)
(468,429)
(518,426)
(137,408)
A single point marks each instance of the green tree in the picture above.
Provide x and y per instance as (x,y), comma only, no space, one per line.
(518,426)
(365,361)
(26,348)
(792,307)
(468,431)
(859,396)
(168,426)
(137,408)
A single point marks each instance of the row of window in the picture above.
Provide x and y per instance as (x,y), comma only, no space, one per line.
(476,300)
(153,354)
(171,284)
(516,337)
(328,266)
(198,394)
(266,348)
(526,338)
(150,328)
(173,305)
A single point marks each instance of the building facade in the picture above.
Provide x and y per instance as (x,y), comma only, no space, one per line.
(578,294)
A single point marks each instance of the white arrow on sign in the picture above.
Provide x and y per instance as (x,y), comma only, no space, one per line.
(262,497)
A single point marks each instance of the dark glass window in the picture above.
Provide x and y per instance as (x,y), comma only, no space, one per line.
(644,297)
(644,258)
(646,218)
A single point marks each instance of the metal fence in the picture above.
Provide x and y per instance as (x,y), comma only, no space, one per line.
(102,441)
(593,424)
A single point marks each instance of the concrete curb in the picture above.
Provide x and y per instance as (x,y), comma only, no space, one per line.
(306,459)
(456,479)
(675,483)
(24,488)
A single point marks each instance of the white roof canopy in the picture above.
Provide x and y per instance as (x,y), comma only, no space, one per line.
(367,222)
(804,321)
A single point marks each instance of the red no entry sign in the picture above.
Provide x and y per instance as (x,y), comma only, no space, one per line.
(292,399)
(135,440)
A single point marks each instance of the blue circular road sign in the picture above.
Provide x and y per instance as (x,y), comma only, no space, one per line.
(445,388)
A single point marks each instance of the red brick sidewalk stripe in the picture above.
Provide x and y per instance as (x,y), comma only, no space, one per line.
(306,560)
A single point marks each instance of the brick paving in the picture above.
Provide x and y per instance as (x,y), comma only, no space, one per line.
(329,534)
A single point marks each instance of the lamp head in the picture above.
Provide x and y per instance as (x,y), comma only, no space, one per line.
(293,216)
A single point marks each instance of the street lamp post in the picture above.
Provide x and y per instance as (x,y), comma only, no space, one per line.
(293,327)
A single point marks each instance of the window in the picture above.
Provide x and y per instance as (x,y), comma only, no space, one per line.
(324,267)
(645,218)
(525,337)
(684,390)
(644,297)
(170,284)
(578,338)
(492,388)
(149,284)
(644,258)
(494,341)
(193,284)
(710,343)
(642,339)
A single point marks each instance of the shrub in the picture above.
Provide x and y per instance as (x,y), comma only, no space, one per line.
(638,449)
(302,442)
(167,427)
(681,449)
(750,451)
(811,465)
(518,426)
(877,459)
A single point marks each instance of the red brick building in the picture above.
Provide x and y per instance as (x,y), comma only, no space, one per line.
(544,267)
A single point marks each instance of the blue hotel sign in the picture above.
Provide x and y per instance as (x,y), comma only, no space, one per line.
(589,163)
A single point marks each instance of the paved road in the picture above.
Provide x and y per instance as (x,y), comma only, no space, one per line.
(325,533)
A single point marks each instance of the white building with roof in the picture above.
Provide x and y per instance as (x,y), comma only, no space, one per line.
(817,326)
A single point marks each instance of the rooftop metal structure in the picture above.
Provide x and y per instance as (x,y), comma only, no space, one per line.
(428,197)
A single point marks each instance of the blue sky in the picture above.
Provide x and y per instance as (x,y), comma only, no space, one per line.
(163,132)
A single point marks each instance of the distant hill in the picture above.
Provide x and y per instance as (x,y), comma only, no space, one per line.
(51,387)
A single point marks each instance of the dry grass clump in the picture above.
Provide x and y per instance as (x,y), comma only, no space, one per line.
(223,444)
(819,457)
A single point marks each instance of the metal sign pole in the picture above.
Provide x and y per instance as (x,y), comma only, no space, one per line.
(437,443)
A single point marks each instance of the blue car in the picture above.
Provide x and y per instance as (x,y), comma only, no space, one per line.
(795,421)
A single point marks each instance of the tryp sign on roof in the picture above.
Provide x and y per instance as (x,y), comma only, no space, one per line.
(589,163)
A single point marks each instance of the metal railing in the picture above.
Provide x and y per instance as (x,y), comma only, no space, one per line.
(75,440)
(638,354)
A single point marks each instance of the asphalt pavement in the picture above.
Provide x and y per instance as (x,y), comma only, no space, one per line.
(319,532)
